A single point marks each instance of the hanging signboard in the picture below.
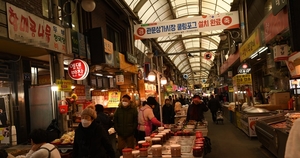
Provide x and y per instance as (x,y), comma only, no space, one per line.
(293,64)
(120,79)
(281,52)
(33,30)
(180,26)
(244,68)
(113,99)
(78,69)
(242,79)
(64,85)
(250,46)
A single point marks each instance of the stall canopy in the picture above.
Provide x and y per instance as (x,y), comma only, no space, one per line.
(187,51)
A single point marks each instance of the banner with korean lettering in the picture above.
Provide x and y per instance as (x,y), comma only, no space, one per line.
(113,99)
(202,23)
(250,45)
(243,79)
(33,30)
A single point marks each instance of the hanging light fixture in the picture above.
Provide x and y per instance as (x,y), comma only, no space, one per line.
(163,80)
(88,5)
(151,76)
(54,87)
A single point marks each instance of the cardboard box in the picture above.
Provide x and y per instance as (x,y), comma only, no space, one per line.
(280,99)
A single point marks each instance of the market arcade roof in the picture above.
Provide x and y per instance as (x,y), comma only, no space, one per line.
(161,10)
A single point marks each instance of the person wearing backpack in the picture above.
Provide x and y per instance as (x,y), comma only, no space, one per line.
(39,148)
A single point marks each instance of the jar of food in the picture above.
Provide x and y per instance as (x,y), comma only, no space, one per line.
(145,145)
(135,153)
(143,152)
(127,153)
(175,150)
(199,134)
(161,138)
(160,129)
(197,151)
(141,143)
(156,141)
(164,136)
(148,139)
(199,145)
(156,150)
(167,134)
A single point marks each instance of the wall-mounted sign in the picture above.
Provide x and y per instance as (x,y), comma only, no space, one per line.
(113,99)
(108,47)
(64,85)
(281,52)
(207,55)
(180,26)
(277,6)
(120,79)
(274,25)
(78,69)
(33,30)
(244,68)
(130,58)
(250,46)
(124,65)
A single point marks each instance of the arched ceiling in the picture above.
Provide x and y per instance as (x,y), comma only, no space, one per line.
(186,51)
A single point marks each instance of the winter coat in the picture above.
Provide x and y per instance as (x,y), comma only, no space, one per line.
(92,142)
(214,104)
(126,120)
(195,112)
(168,114)
(105,121)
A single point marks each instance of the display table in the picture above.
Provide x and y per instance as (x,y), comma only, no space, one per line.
(186,143)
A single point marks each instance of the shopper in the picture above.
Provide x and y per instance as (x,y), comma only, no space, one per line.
(125,123)
(196,109)
(91,139)
(151,101)
(39,147)
(214,106)
(146,119)
(103,118)
(292,149)
(168,112)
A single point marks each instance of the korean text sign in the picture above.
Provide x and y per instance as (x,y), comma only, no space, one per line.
(30,29)
(202,23)
(113,99)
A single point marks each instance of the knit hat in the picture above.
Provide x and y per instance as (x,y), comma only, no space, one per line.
(89,112)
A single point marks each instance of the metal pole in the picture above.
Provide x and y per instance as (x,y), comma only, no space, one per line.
(159,95)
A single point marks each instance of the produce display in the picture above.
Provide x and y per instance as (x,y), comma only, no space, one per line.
(290,118)
(67,138)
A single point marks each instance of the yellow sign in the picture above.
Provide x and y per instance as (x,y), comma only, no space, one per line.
(242,79)
(113,99)
(250,46)
(108,46)
(124,65)
(230,89)
(64,85)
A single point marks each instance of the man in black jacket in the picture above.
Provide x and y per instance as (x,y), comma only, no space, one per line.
(214,105)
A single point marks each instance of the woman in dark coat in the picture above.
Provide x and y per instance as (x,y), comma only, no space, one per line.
(91,140)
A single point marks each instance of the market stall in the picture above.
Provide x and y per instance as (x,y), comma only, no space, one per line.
(273,131)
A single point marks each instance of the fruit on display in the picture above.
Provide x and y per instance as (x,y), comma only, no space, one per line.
(67,138)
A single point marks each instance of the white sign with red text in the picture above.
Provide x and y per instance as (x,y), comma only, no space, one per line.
(78,69)
(202,23)
(30,29)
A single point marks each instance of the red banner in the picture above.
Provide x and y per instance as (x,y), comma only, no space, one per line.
(273,25)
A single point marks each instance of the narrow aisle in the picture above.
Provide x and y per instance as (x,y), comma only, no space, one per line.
(230,142)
